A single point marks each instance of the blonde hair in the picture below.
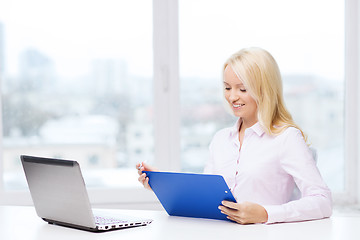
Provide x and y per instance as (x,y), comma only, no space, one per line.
(260,74)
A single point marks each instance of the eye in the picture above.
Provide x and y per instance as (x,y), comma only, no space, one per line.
(227,88)
(242,90)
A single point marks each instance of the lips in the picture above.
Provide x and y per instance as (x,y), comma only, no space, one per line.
(237,105)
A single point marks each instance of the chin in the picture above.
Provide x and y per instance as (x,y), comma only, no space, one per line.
(238,115)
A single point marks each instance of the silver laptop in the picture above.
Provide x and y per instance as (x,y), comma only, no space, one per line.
(59,194)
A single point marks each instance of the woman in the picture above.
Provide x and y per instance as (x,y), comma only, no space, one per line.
(265,154)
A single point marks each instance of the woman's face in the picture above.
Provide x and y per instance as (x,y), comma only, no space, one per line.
(241,103)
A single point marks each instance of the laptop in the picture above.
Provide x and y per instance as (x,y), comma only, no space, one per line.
(60,197)
(189,194)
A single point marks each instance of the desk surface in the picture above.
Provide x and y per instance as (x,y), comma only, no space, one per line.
(23,223)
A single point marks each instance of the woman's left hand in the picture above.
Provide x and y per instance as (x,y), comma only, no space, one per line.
(244,213)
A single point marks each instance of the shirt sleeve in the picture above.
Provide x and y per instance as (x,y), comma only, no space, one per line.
(297,160)
(209,165)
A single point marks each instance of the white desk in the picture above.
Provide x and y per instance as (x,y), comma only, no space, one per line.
(22,223)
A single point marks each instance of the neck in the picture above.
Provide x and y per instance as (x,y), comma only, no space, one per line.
(246,124)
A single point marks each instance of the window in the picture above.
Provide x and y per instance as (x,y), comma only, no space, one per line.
(77,82)
(109,83)
(306,39)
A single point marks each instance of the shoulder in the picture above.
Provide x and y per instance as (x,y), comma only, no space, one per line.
(223,133)
(291,133)
(293,144)
(222,137)
(289,139)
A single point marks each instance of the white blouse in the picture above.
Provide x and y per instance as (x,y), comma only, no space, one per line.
(266,169)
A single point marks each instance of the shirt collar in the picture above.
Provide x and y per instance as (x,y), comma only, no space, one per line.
(257,128)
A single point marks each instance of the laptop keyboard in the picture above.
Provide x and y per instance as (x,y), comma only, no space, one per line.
(99,220)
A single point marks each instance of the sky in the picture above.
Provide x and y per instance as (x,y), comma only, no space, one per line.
(73,32)
(304,36)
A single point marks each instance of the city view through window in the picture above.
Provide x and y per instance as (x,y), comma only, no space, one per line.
(77,87)
(306,39)
(82,89)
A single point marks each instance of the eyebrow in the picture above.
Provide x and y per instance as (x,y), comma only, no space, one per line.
(240,84)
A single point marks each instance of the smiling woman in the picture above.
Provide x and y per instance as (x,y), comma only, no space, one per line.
(264,155)
(299,34)
(60,60)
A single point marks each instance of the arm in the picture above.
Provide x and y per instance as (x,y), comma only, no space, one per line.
(209,169)
(315,202)
(294,163)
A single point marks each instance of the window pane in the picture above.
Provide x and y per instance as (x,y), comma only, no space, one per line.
(77,84)
(307,40)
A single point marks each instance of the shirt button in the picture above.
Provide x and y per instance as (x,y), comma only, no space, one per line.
(237,172)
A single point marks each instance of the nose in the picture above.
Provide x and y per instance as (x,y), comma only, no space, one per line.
(233,96)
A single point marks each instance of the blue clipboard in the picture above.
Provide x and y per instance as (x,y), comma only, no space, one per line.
(190,195)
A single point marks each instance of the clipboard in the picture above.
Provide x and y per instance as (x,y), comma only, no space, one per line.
(189,194)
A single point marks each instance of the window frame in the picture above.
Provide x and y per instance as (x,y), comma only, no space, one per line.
(166,92)
(166,117)
(351,194)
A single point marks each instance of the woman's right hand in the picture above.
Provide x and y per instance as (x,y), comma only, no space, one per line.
(142,176)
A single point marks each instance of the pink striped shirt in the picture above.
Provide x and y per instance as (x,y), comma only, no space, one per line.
(266,169)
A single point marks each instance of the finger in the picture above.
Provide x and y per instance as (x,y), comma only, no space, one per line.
(146,184)
(232,205)
(148,167)
(140,170)
(228,211)
(142,178)
(235,219)
(238,219)
(144,181)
